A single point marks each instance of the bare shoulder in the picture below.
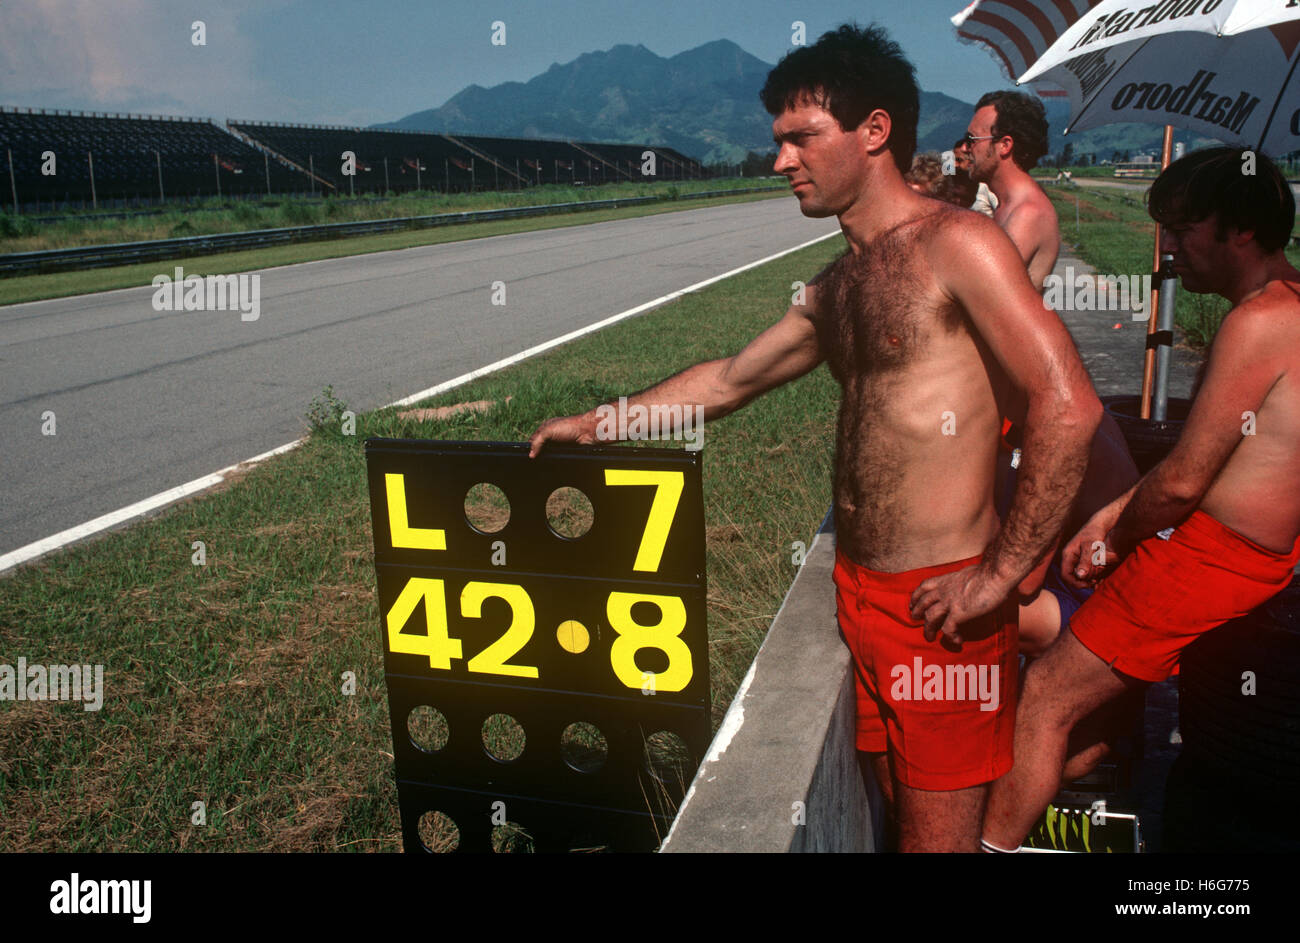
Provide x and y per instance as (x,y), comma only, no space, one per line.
(957,230)
(1034,211)
(1041,202)
(823,285)
(1267,322)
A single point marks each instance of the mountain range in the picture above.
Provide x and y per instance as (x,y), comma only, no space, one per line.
(702,102)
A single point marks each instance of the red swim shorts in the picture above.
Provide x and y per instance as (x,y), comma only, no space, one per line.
(947,718)
(1169,592)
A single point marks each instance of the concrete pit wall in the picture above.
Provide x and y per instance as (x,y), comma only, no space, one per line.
(782,773)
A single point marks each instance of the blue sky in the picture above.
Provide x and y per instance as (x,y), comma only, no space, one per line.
(348,62)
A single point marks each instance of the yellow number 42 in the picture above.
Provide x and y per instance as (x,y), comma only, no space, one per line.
(438,645)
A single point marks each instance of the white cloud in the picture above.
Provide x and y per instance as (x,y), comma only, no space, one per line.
(129,55)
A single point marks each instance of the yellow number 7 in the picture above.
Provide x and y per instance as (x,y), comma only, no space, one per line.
(668,491)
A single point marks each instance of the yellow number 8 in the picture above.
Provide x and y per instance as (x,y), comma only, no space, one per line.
(663,635)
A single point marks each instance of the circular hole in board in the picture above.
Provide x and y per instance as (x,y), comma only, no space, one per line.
(503,738)
(487,508)
(569,512)
(511,838)
(438,833)
(668,759)
(427,728)
(583,747)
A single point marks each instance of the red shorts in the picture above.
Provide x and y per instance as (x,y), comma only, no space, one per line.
(1170,592)
(947,718)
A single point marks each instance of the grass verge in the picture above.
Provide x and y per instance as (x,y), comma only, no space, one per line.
(224,682)
(1114,235)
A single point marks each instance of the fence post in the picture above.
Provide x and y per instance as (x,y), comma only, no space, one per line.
(13,187)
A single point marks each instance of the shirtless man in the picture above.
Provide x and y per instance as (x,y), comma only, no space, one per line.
(1005,139)
(1228,487)
(926,322)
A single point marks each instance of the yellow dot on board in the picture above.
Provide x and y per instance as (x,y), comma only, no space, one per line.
(573,636)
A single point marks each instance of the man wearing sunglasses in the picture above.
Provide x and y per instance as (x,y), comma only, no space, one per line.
(1005,139)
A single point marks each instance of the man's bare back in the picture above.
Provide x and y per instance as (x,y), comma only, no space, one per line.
(1028,217)
(1257,351)
(919,419)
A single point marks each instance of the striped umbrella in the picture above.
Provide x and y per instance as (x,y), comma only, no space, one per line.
(1019,32)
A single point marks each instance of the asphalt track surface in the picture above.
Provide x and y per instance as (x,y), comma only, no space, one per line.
(145,400)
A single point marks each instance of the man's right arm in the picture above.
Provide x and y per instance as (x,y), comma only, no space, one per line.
(784,352)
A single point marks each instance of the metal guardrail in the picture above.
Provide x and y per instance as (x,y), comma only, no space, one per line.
(87,257)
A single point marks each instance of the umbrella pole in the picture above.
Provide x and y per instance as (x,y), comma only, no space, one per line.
(1153,309)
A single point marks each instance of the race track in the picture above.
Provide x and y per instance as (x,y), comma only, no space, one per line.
(146,400)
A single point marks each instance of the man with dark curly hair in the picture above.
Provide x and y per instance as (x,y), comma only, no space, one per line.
(1211,532)
(1005,138)
(927,321)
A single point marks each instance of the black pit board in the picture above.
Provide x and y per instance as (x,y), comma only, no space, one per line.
(646,540)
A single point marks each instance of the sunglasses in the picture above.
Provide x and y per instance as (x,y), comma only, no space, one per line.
(968,139)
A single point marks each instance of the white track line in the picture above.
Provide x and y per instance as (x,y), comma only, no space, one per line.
(41,547)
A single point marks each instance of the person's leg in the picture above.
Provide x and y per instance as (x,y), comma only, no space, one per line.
(1064,685)
(946,821)
(1093,738)
(1040,623)
(876,765)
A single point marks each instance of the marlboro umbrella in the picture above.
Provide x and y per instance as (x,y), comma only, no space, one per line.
(1219,68)
(1224,69)
(1018,32)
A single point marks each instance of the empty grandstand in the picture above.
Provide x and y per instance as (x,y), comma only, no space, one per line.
(62,158)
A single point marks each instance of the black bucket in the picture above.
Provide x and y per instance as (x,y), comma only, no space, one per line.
(1149,440)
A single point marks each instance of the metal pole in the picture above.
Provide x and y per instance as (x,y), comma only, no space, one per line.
(1148,367)
(161,197)
(473,183)
(311,173)
(266,163)
(94,198)
(386,175)
(1165,336)
(13,187)
(446,173)
(216,170)
(417,171)
(496,176)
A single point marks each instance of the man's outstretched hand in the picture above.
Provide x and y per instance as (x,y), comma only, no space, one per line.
(944,602)
(1090,555)
(564,429)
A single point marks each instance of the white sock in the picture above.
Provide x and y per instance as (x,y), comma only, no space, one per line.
(990,848)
